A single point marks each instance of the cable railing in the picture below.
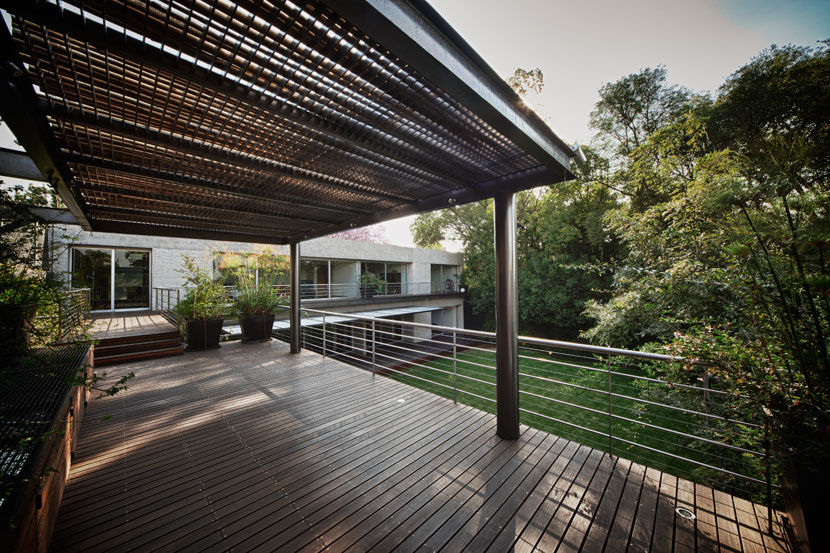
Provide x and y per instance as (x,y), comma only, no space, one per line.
(368,291)
(165,300)
(73,312)
(611,399)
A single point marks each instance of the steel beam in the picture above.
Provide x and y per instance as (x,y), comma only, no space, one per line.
(507,318)
(18,108)
(414,32)
(294,306)
(19,165)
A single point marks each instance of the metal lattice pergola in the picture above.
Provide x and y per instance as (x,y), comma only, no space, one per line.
(271,122)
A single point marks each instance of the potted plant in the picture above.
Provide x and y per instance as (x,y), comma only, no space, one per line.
(20,295)
(370,284)
(201,309)
(256,305)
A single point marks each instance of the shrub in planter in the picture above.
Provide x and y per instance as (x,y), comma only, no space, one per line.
(201,309)
(20,296)
(256,306)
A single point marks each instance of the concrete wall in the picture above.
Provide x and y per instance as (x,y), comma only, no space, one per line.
(166,255)
(166,259)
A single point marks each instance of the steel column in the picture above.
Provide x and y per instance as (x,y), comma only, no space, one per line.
(294,308)
(507,318)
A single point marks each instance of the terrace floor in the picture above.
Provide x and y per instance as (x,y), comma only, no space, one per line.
(250,448)
(128,323)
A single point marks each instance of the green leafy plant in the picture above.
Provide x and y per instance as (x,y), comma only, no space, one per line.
(257,299)
(372,282)
(204,298)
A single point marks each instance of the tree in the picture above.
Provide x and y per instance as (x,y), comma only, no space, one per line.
(725,234)
(632,108)
(372,233)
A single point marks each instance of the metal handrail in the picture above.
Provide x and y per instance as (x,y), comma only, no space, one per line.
(433,355)
(165,300)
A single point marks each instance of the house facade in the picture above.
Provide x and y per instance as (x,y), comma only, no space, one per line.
(132,272)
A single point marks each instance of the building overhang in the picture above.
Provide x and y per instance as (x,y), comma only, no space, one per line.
(265,122)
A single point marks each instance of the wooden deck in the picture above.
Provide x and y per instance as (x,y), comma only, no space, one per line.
(128,323)
(249,448)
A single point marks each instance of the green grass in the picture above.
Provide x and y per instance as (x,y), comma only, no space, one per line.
(570,400)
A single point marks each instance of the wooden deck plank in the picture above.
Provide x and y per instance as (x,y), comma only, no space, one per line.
(485,515)
(603,520)
(643,527)
(535,528)
(663,537)
(508,519)
(572,540)
(684,529)
(439,528)
(568,506)
(621,528)
(394,500)
(249,447)
(509,535)
(707,530)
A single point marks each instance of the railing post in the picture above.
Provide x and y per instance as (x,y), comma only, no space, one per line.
(374,341)
(768,474)
(454,367)
(294,304)
(324,334)
(610,416)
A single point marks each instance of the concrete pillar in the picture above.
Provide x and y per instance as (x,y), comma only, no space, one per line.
(294,304)
(507,318)
(419,334)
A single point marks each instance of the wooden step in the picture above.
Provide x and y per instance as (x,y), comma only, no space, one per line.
(137,355)
(137,346)
(138,337)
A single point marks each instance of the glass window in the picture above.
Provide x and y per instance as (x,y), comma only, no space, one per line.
(132,279)
(92,268)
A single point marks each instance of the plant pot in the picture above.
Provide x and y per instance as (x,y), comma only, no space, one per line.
(15,328)
(367,291)
(804,491)
(203,334)
(256,328)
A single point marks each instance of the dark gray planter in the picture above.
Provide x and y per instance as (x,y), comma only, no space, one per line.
(256,328)
(203,334)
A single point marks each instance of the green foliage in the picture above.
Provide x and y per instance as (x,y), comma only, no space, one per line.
(204,298)
(524,81)
(31,293)
(257,299)
(372,282)
(725,227)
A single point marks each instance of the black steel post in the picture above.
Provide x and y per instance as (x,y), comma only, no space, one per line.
(294,307)
(507,318)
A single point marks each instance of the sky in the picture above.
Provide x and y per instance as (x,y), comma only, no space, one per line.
(582,44)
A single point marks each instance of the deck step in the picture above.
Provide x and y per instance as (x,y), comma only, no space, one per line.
(138,337)
(144,345)
(137,355)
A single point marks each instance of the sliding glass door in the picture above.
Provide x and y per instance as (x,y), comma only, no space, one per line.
(117,278)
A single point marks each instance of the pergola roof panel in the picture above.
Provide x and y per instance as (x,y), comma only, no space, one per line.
(288,101)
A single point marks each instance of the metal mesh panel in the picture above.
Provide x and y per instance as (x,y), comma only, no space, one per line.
(287,102)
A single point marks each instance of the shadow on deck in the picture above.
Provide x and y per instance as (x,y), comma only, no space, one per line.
(252,448)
